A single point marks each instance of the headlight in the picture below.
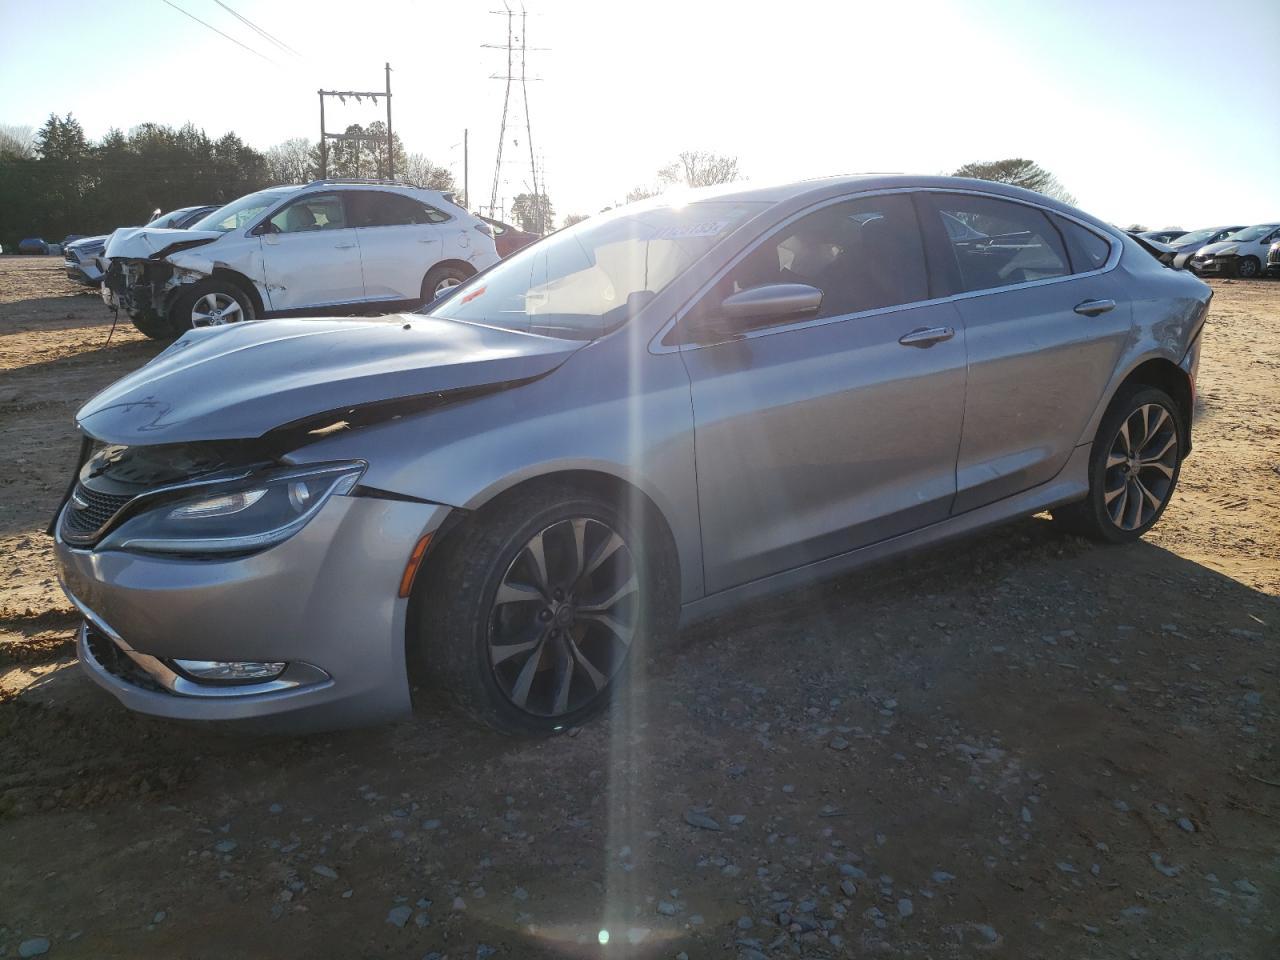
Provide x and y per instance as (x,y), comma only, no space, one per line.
(1225,252)
(235,517)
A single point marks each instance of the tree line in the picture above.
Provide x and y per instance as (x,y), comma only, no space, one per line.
(55,181)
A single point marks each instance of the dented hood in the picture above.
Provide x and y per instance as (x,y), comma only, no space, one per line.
(241,381)
(139,243)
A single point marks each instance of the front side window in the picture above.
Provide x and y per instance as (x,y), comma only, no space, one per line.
(862,254)
(242,213)
(375,208)
(320,211)
(1017,243)
(586,280)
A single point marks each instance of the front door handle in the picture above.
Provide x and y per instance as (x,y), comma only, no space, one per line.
(1092,308)
(344,246)
(926,336)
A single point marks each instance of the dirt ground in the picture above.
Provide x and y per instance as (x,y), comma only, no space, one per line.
(1023,745)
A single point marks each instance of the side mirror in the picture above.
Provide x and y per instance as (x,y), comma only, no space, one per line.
(771,301)
(751,307)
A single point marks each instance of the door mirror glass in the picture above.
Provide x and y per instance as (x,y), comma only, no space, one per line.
(772,301)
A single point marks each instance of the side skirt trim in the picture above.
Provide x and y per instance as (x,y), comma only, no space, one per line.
(1071,483)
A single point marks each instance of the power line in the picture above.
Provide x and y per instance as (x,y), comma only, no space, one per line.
(257,29)
(216,30)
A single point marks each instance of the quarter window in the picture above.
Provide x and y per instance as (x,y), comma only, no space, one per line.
(1087,250)
(863,255)
(321,211)
(374,208)
(1004,243)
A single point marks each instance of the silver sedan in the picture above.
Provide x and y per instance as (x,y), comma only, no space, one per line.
(639,421)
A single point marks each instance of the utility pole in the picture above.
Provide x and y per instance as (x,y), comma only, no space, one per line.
(391,153)
(359,95)
(466,172)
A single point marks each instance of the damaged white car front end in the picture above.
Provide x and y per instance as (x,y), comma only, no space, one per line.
(327,247)
(147,266)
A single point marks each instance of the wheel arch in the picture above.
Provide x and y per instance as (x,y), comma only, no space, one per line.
(244,284)
(601,483)
(468,268)
(598,482)
(1160,372)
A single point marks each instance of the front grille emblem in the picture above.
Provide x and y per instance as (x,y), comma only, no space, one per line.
(78,501)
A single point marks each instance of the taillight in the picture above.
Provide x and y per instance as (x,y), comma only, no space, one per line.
(484,228)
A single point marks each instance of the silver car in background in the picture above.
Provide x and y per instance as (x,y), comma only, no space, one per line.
(642,420)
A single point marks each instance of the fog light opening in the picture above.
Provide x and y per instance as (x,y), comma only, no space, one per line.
(231,671)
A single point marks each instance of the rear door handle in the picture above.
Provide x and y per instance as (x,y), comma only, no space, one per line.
(926,336)
(1092,308)
(344,246)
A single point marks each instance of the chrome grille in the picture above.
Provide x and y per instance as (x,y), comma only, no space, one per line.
(1273,255)
(87,512)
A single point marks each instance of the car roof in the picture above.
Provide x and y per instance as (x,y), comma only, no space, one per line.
(800,191)
(835,185)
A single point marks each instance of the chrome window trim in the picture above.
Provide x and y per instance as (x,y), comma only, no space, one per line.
(658,347)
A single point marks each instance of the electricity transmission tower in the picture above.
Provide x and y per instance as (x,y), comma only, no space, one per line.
(516,45)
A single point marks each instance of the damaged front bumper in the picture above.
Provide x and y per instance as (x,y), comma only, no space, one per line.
(144,289)
(324,603)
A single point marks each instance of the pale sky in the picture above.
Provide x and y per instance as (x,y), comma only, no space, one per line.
(1166,113)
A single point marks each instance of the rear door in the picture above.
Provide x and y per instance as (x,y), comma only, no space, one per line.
(819,435)
(1045,324)
(311,257)
(400,240)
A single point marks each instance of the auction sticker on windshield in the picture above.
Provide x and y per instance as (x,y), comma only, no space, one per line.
(707,228)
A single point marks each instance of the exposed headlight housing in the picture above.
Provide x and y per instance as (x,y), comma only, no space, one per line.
(238,516)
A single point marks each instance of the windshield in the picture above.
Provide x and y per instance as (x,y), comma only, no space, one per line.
(1195,236)
(584,281)
(242,212)
(170,219)
(1253,233)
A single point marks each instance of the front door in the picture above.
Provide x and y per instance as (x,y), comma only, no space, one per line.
(1045,326)
(817,435)
(311,257)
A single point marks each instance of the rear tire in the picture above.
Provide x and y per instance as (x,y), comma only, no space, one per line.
(509,649)
(1133,467)
(442,278)
(1248,268)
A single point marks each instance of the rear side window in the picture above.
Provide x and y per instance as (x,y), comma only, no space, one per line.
(863,255)
(1087,250)
(998,243)
(373,208)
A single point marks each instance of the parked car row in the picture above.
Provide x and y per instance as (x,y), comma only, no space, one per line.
(1234,250)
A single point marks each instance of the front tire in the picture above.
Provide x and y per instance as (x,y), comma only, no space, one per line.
(154,329)
(210,303)
(1248,268)
(537,609)
(1133,467)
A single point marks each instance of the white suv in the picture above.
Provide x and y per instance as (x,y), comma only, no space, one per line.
(330,246)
